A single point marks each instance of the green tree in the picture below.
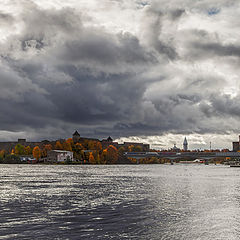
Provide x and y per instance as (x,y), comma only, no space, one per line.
(121,150)
(12,159)
(137,148)
(68,161)
(28,150)
(98,159)
(19,149)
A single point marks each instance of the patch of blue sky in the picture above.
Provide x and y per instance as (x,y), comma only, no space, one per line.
(213,11)
(143,3)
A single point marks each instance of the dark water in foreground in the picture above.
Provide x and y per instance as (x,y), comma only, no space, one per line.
(119,202)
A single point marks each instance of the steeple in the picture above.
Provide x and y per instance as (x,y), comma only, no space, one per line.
(185,144)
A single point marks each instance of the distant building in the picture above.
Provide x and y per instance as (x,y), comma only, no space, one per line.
(76,137)
(175,148)
(22,141)
(145,147)
(8,146)
(109,141)
(185,144)
(59,156)
(236,145)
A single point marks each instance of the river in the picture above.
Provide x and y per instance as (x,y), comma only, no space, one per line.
(119,202)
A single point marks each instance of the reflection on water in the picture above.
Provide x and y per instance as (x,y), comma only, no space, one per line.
(119,202)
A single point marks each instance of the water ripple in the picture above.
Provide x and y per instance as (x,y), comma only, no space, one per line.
(119,202)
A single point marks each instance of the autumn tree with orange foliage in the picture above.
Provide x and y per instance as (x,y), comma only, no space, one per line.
(77,151)
(91,145)
(2,154)
(79,146)
(37,152)
(70,141)
(58,146)
(103,157)
(99,147)
(46,149)
(130,148)
(112,154)
(91,158)
(67,146)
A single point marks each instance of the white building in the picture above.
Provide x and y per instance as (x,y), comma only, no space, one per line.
(59,156)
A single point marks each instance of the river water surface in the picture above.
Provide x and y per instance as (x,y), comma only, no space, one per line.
(119,202)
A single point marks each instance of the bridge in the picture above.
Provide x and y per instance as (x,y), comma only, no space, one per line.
(176,155)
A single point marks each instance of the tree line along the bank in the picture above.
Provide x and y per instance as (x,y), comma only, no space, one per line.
(87,152)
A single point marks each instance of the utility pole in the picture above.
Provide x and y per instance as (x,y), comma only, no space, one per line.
(210,146)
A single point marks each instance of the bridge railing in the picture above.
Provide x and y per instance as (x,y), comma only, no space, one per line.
(184,154)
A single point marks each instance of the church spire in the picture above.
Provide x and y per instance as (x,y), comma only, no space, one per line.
(185,144)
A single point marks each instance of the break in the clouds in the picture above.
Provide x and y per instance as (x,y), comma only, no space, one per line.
(122,68)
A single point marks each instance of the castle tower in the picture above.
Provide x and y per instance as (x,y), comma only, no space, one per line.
(185,144)
(76,137)
(109,139)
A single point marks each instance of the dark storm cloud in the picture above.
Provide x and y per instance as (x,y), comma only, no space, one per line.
(6,19)
(61,73)
(177,13)
(224,104)
(153,29)
(216,49)
(102,51)
(74,75)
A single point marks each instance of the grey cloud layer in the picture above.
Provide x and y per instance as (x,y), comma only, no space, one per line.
(60,72)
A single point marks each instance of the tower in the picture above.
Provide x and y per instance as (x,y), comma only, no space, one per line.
(109,139)
(76,137)
(185,144)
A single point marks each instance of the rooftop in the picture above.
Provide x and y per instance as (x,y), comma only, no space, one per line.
(76,133)
(61,151)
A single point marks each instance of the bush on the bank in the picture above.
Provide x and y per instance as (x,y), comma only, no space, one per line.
(11,159)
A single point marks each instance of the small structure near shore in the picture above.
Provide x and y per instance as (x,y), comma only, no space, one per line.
(28,159)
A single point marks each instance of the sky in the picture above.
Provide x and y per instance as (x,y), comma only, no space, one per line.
(138,70)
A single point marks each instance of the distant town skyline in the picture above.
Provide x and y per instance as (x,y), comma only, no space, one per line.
(151,70)
(195,141)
